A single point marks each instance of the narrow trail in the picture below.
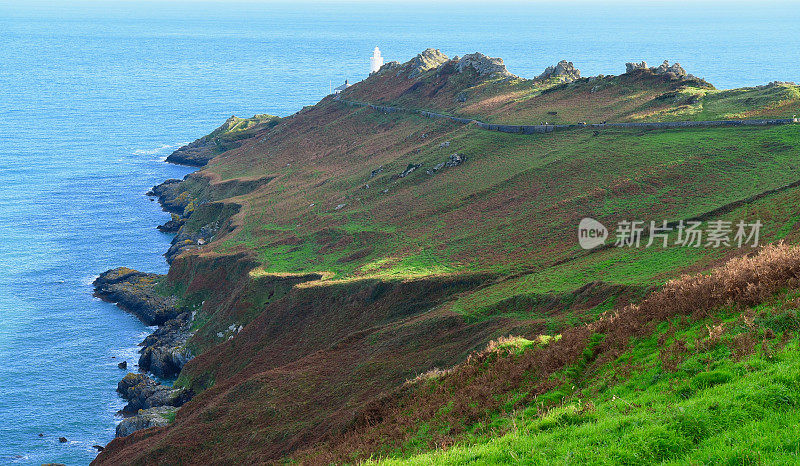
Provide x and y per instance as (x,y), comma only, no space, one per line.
(538,129)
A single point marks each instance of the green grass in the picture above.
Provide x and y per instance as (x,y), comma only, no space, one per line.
(713,408)
(649,175)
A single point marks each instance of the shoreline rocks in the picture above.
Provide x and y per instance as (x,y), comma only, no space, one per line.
(144,419)
(134,292)
(164,351)
(170,196)
(142,392)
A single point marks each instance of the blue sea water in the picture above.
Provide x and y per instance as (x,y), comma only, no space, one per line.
(94,95)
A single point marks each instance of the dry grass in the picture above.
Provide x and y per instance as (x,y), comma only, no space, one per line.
(743,281)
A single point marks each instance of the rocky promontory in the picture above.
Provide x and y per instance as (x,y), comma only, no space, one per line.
(170,196)
(228,136)
(164,352)
(135,292)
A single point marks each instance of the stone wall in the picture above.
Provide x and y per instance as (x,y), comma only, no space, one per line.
(533,129)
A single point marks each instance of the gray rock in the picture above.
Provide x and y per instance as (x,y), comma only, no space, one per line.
(164,352)
(134,291)
(674,71)
(409,169)
(453,161)
(425,61)
(144,419)
(666,69)
(141,392)
(631,67)
(564,71)
(483,65)
(376,172)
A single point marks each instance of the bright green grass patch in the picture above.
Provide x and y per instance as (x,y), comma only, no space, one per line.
(713,409)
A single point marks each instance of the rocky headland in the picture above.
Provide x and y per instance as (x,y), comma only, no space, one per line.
(265,347)
(135,292)
(228,136)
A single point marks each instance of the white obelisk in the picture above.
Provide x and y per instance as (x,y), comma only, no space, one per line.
(375,61)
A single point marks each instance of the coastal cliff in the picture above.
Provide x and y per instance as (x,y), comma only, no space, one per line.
(337,268)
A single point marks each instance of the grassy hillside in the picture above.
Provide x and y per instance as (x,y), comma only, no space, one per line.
(353,250)
(704,370)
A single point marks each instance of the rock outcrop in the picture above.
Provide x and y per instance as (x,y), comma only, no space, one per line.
(483,65)
(631,67)
(392,65)
(134,291)
(564,71)
(171,196)
(145,418)
(186,240)
(453,161)
(425,61)
(173,225)
(142,392)
(666,68)
(674,71)
(164,351)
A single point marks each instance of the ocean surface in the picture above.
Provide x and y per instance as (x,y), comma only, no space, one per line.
(94,95)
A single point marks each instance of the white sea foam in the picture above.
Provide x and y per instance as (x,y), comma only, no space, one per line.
(156,151)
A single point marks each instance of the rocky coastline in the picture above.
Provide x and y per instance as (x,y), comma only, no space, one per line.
(163,353)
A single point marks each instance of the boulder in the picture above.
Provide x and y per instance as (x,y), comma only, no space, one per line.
(123,365)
